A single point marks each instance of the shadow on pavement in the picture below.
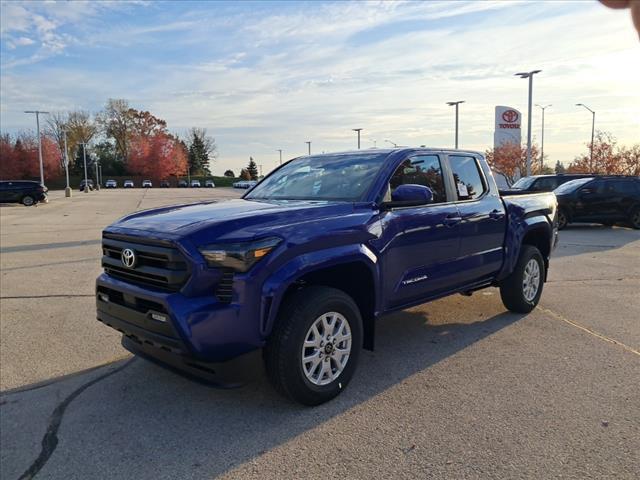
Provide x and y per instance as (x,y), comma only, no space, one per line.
(145,422)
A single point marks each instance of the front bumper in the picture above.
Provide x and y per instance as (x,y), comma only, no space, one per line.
(199,329)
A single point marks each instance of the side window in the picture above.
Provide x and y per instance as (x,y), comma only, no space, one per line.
(624,187)
(546,184)
(467,177)
(421,170)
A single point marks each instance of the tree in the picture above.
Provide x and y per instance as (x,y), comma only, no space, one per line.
(244,174)
(9,167)
(105,152)
(144,124)
(159,156)
(252,169)
(21,160)
(116,123)
(229,173)
(560,168)
(510,159)
(202,150)
(608,158)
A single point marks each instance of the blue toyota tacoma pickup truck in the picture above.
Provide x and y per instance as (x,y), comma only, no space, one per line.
(303,265)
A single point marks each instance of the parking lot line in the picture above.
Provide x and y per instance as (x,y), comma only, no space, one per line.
(555,315)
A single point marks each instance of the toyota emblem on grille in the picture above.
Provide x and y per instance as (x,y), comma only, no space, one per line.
(128,258)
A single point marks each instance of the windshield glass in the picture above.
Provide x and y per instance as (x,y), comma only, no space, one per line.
(327,177)
(524,182)
(572,185)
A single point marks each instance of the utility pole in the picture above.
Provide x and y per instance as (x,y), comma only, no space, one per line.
(358,130)
(86,177)
(67,191)
(38,112)
(280,150)
(593,129)
(542,141)
(529,75)
(309,146)
(456,105)
(260,167)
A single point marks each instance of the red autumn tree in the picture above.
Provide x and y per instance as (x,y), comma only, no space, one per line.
(20,159)
(608,157)
(510,159)
(159,156)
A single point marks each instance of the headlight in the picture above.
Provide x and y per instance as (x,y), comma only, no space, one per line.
(238,256)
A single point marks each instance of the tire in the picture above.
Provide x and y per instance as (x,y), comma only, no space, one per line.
(28,201)
(311,383)
(634,218)
(518,294)
(563,219)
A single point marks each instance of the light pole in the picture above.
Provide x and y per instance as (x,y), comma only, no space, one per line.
(456,104)
(309,146)
(97,177)
(593,127)
(86,177)
(395,145)
(67,191)
(358,130)
(280,151)
(529,75)
(38,112)
(543,107)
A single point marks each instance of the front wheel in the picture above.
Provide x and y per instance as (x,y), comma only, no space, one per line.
(563,219)
(313,350)
(521,291)
(28,200)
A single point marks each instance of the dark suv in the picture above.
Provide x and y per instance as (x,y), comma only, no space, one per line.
(605,200)
(545,183)
(22,191)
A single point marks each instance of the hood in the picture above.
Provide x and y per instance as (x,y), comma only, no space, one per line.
(230,219)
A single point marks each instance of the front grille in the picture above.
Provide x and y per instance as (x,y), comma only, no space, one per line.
(224,290)
(159,264)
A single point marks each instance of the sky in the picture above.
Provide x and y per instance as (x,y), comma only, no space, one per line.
(262,76)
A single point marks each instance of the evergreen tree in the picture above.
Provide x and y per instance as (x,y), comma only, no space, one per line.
(202,150)
(252,169)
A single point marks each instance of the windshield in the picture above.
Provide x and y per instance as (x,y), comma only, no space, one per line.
(523,183)
(327,177)
(572,185)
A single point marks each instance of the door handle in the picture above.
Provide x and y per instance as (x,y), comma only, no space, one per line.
(451,220)
(496,214)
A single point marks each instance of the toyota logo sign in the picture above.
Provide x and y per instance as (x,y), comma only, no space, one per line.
(128,258)
(510,116)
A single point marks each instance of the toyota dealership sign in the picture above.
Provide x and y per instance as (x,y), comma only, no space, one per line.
(507,126)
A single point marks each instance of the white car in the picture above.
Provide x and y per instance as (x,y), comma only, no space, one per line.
(209,184)
(128,184)
(147,184)
(111,184)
(195,184)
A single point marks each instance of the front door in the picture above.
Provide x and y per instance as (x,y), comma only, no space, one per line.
(419,244)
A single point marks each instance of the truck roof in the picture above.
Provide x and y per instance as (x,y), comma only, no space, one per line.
(369,151)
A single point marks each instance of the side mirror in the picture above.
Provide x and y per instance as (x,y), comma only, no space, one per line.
(410,195)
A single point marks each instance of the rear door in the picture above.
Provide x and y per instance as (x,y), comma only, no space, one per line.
(483,224)
(419,244)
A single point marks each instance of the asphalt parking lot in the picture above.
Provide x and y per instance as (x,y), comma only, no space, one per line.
(458,388)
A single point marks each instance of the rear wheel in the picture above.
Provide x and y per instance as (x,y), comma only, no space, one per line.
(314,348)
(634,218)
(563,219)
(521,291)
(28,200)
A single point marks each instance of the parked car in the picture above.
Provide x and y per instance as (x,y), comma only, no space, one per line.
(128,184)
(111,184)
(605,199)
(545,183)
(147,184)
(82,185)
(26,192)
(195,184)
(305,263)
(209,184)
(165,184)
(245,184)
(183,184)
